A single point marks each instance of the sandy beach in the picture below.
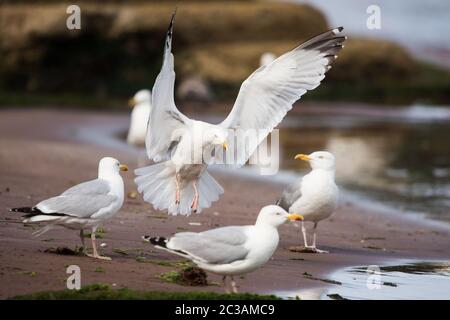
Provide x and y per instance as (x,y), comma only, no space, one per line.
(45,151)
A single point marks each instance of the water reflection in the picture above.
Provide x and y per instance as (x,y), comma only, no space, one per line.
(398,157)
(402,160)
(402,279)
(405,280)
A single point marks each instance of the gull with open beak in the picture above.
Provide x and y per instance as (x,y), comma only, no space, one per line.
(233,250)
(315,195)
(84,205)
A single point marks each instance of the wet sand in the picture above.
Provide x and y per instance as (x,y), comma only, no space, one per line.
(43,152)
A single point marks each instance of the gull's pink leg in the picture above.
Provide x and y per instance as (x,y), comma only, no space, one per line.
(177,192)
(94,248)
(225,285)
(194,205)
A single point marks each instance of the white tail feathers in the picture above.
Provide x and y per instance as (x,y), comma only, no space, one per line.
(43,230)
(158,186)
(41,218)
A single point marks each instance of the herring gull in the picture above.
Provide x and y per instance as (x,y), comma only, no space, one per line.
(141,104)
(233,250)
(315,195)
(179,182)
(82,206)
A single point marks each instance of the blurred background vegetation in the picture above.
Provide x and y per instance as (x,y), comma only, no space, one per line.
(119,47)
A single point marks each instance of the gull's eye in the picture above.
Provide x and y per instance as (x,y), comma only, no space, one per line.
(278,213)
(320,157)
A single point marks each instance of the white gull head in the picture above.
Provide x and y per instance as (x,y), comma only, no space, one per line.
(275,216)
(142,96)
(319,160)
(108,167)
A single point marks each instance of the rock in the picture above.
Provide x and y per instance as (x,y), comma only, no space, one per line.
(65,251)
(194,276)
(301,249)
(132,194)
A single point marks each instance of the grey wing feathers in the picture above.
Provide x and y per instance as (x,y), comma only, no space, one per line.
(96,186)
(269,93)
(291,194)
(166,122)
(217,246)
(81,201)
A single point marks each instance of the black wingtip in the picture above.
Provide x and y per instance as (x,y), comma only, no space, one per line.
(170,31)
(172,20)
(24,210)
(156,241)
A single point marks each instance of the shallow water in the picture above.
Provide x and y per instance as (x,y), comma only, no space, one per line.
(401,160)
(401,280)
(397,158)
(399,22)
(406,280)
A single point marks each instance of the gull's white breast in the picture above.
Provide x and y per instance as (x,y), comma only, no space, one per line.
(138,125)
(319,196)
(117,190)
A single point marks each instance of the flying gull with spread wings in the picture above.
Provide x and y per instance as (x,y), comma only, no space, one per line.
(179,182)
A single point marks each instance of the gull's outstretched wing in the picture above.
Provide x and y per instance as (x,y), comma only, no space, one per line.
(268,94)
(165,119)
(291,194)
(217,246)
(81,201)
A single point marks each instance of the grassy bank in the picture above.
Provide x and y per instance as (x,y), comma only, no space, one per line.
(105,292)
(118,48)
(118,51)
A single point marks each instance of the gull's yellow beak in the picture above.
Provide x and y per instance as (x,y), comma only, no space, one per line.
(303,157)
(131,103)
(123,167)
(295,217)
(225,145)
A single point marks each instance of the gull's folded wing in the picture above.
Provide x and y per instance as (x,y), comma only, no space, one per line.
(96,186)
(291,194)
(166,122)
(268,94)
(81,201)
(217,246)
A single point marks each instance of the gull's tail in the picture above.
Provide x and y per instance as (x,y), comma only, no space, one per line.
(158,187)
(34,215)
(161,243)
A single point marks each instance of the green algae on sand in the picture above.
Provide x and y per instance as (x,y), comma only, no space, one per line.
(105,292)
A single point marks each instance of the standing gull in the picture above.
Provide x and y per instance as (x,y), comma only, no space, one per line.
(180,181)
(233,250)
(315,195)
(141,104)
(83,206)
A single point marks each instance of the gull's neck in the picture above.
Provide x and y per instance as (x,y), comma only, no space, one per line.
(323,172)
(260,223)
(115,182)
(107,174)
(144,104)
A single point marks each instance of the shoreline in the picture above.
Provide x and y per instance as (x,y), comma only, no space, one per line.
(107,136)
(57,156)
